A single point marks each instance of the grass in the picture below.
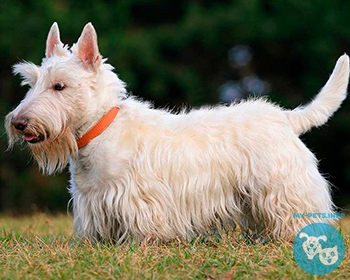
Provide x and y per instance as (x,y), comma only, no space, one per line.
(43,247)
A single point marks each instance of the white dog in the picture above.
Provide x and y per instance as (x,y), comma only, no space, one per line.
(145,174)
(312,245)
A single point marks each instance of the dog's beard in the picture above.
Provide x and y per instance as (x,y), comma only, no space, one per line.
(52,153)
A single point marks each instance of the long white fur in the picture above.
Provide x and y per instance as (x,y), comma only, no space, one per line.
(154,175)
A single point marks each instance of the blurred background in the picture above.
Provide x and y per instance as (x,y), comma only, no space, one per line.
(179,53)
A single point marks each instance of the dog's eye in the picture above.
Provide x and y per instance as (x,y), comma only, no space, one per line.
(59,86)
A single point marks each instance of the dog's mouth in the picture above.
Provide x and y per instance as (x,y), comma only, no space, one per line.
(32,138)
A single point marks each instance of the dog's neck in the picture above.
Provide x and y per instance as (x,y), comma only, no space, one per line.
(98,128)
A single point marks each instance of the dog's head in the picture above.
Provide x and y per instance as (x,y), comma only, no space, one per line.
(69,87)
(311,245)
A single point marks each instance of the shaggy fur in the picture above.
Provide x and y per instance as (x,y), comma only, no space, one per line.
(154,175)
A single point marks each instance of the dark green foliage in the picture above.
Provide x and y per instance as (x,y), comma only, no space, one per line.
(175,53)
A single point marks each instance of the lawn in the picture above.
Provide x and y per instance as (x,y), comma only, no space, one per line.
(43,247)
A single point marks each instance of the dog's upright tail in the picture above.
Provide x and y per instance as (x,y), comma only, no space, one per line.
(319,110)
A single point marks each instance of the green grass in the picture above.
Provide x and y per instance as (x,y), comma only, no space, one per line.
(43,247)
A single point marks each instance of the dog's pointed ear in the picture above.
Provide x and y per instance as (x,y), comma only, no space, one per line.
(87,48)
(303,234)
(53,40)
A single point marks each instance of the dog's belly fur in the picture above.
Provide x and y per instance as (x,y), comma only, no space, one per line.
(187,174)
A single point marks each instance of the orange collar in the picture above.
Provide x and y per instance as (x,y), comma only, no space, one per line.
(98,128)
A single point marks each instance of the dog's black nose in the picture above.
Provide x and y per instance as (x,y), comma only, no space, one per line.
(19,123)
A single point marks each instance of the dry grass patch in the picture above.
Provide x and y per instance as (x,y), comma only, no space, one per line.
(43,247)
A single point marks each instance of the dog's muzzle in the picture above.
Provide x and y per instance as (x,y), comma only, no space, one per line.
(21,125)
